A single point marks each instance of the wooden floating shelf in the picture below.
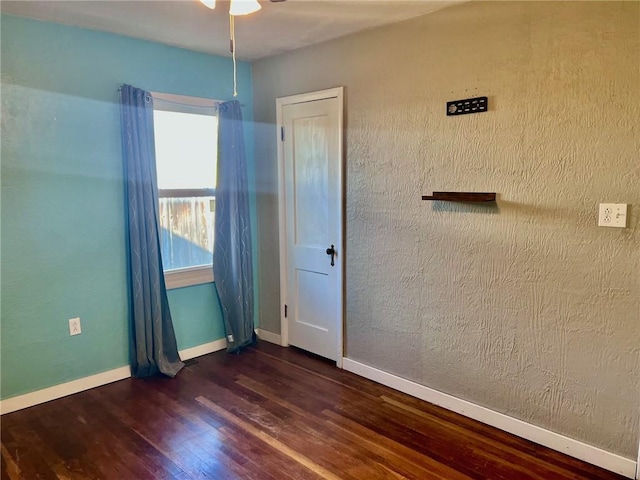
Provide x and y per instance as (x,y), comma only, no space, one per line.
(462,196)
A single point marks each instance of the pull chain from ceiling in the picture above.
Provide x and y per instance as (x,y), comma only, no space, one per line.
(232,46)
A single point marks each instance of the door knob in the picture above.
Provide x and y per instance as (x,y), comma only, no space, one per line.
(331,251)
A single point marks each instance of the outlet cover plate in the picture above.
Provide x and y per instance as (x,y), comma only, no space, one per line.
(74,326)
(612,215)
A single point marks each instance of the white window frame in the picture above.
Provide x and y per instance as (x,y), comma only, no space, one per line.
(186,277)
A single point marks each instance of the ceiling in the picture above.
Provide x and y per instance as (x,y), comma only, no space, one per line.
(277,28)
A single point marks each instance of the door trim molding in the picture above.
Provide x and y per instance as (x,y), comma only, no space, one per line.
(337,93)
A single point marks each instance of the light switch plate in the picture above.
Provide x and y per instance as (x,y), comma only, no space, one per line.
(612,215)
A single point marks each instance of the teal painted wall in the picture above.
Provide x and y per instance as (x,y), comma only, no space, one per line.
(62,196)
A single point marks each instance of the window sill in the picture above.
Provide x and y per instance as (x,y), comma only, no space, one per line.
(187,277)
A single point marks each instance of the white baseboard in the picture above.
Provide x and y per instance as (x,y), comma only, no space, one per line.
(205,348)
(75,386)
(62,390)
(269,336)
(574,448)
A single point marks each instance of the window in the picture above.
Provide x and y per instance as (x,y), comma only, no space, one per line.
(186,142)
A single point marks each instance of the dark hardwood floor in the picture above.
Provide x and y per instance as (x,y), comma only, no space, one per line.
(269,413)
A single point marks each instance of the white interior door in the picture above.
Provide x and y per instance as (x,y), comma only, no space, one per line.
(311,207)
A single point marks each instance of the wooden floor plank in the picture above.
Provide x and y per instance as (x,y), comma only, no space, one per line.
(262,458)
(9,467)
(270,413)
(269,440)
(485,449)
(379,455)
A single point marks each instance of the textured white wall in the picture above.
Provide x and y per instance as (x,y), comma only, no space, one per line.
(527,308)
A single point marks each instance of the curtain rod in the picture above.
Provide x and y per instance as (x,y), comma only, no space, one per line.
(205,107)
(215,103)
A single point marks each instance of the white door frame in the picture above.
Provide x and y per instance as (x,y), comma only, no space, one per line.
(338,93)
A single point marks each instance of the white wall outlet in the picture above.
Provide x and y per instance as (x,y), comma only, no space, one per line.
(612,215)
(74,326)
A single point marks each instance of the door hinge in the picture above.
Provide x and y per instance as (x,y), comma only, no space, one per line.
(282,134)
(286,311)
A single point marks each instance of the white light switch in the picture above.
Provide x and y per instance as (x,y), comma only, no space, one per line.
(613,215)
